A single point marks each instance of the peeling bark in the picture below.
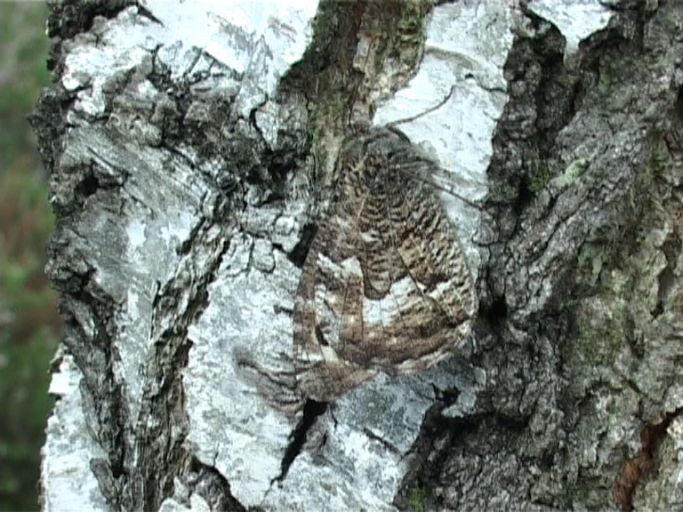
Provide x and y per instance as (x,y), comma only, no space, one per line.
(192,151)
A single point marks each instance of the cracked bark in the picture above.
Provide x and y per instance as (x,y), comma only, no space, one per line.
(187,184)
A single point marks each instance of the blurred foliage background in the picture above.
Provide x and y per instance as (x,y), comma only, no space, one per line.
(29,324)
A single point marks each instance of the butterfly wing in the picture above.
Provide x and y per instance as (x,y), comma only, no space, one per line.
(439,308)
(385,285)
(328,319)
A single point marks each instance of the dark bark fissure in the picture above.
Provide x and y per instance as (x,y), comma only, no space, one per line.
(311,411)
(208,483)
(298,254)
(71,17)
(667,278)
(443,439)
(637,469)
(96,357)
(49,121)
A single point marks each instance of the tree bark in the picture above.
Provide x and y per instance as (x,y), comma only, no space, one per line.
(192,149)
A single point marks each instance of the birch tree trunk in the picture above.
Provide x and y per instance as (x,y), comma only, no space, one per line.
(192,148)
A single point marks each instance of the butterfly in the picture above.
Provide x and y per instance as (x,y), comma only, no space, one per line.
(385,286)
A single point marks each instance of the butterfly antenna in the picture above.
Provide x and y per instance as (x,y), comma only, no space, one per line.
(424,113)
(437,181)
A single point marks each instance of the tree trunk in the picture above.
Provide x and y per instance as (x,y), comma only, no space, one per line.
(194,153)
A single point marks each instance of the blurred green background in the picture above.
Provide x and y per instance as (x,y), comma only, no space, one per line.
(29,324)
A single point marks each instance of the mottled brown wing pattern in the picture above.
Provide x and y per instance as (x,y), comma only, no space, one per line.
(385,286)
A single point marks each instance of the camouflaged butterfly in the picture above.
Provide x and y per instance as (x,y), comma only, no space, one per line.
(385,286)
